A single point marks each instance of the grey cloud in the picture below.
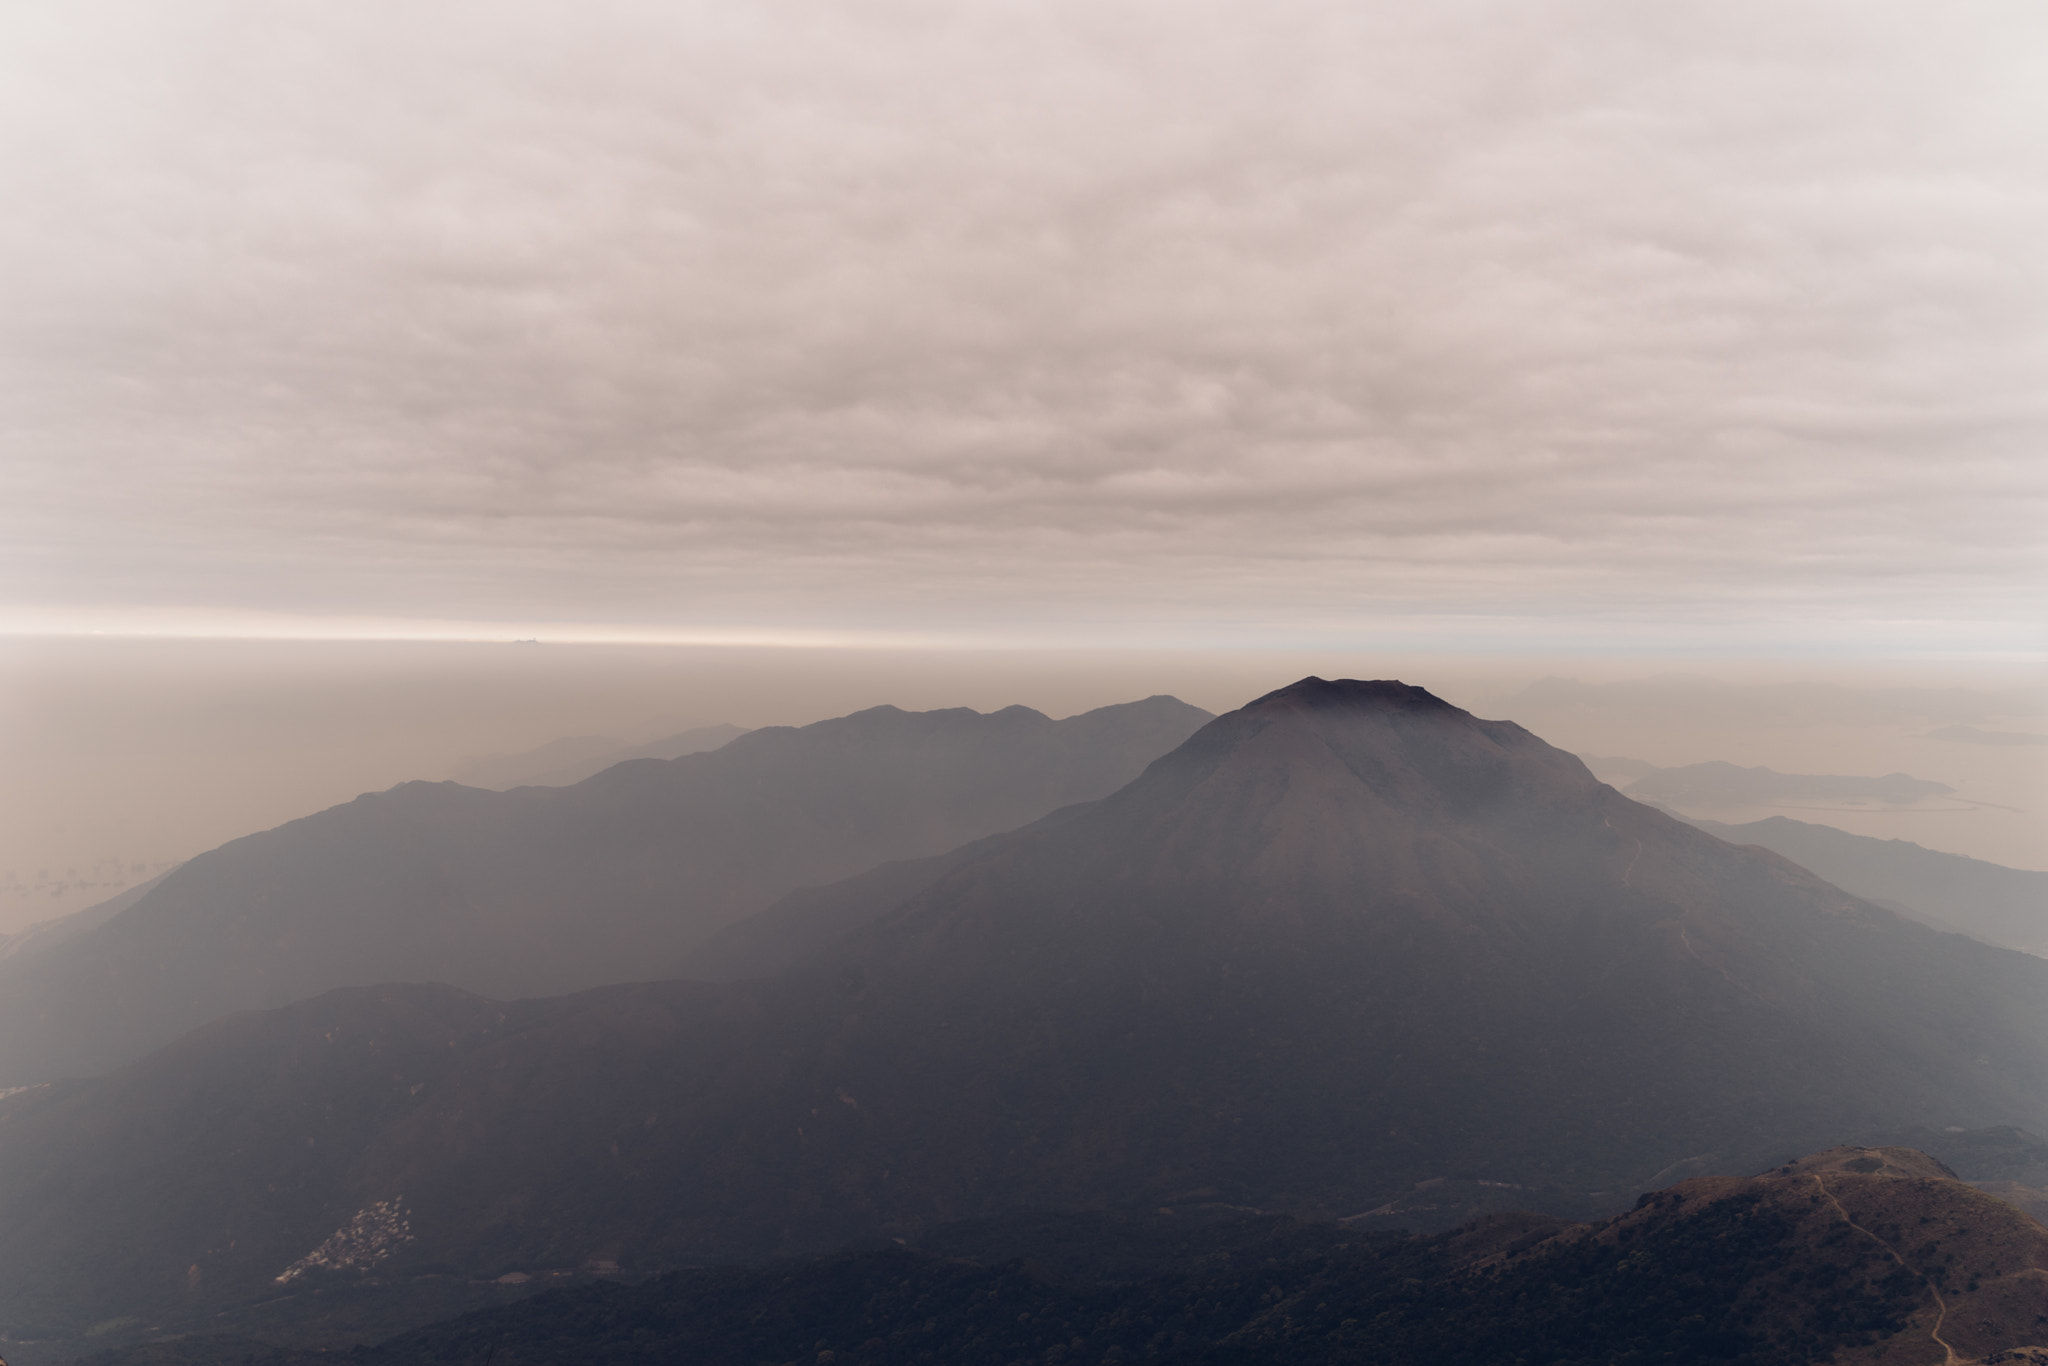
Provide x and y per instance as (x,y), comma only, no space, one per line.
(1583,316)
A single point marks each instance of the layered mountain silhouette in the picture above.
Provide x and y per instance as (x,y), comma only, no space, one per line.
(2005,906)
(1344,941)
(1999,905)
(545,890)
(812,919)
(39,938)
(564,762)
(1972,735)
(1720,785)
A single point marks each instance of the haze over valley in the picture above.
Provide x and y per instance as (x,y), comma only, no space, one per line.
(143,753)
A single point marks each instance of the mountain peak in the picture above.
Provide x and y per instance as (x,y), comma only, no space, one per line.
(1346,945)
(1383,694)
(1371,759)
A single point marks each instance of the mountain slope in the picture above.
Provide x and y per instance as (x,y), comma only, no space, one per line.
(1867,1257)
(2004,906)
(811,920)
(564,762)
(44,935)
(1342,941)
(544,890)
(1445,941)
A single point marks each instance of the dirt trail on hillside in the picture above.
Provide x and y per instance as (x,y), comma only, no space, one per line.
(1940,1304)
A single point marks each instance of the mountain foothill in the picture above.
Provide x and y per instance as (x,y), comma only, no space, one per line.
(1344,962)
(1856,1255)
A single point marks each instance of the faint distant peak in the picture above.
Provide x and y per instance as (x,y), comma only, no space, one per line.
(1970,735)
(564,762)
(696,740)
(1697,698)
(1718,784)
(508,770)
(1160,706)
(1157,702)
(1616,768)
(1159,713)
(890,719)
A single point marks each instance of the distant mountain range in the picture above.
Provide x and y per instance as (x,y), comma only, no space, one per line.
(544,890)
(1712,702)
(1972,735)
(562,763)
(45,935)
(1344,942)
(1999,905)
(1717,784)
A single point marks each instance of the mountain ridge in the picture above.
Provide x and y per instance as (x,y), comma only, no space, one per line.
(2000,905)
(571,759)
(1342,941)
(539,891)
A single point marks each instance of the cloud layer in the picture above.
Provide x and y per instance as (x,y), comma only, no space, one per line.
(1041,320)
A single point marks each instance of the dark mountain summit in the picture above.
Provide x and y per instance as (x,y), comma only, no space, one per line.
(1443,939)
(545,890)
(1343,941)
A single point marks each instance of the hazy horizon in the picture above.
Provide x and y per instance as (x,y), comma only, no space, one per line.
(134,754)
(1050,354)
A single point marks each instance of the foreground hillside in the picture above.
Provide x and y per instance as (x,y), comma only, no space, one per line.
(1342,942)
(539,891)
(1862,1257)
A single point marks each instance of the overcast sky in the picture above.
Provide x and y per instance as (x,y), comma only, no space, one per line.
(1603,324)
